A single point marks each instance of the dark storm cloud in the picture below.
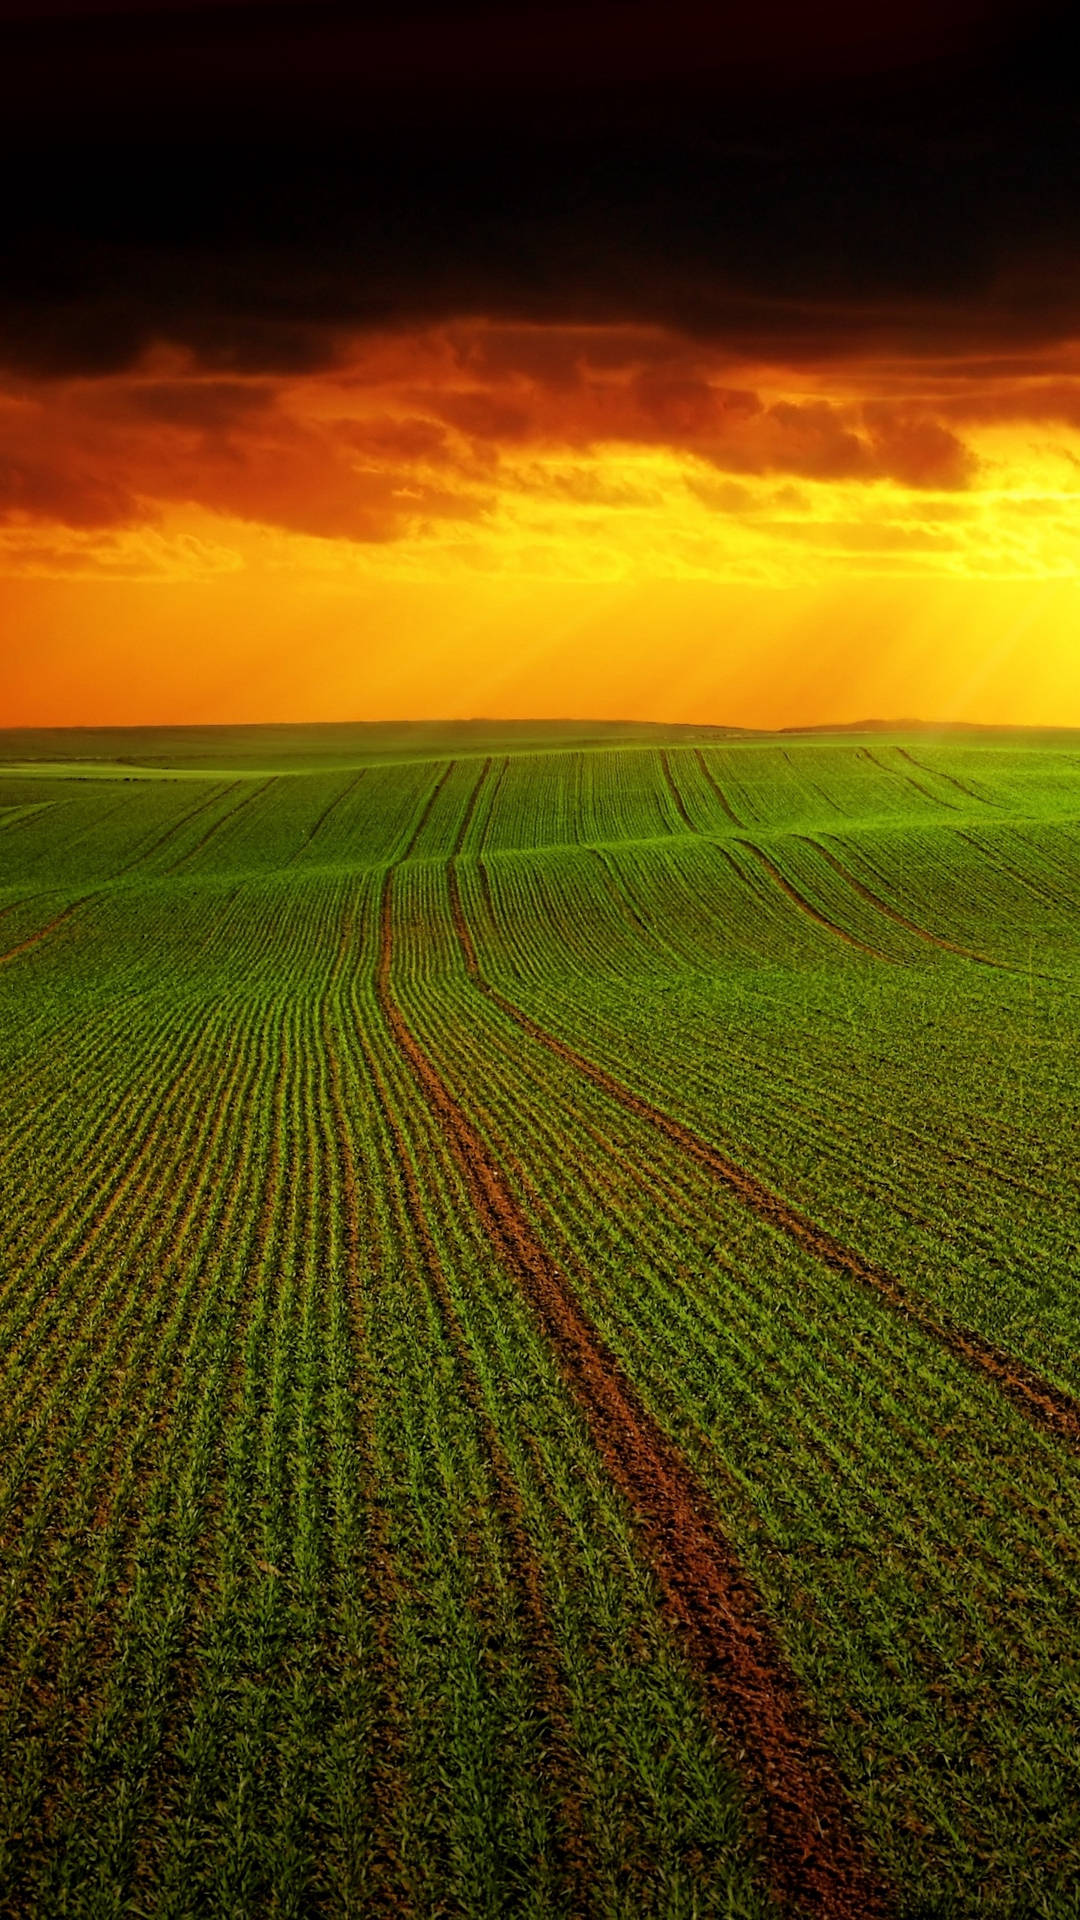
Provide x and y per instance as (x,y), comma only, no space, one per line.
(257,183)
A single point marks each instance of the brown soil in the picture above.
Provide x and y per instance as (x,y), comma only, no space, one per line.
(330,808)
(223,819)
(571,1861)
(891,913)
(470,809)
(425,812)
(680,803)
(969,793)
(816,1862)
(34,939)
(813,913)
(387,1893)
(1037,1397)
(717,789)
(908,778)
(499,778)
(170,833)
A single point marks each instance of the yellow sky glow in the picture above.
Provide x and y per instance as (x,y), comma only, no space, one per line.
(545,521)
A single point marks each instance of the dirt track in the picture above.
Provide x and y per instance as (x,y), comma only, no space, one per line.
(425,811)
(470,808)
(568,1846)
(673,789)
(1038,1398)
(814,1857)
(569,1851)
(892,913)
(717,789)
(35,939)
(222,820)
(807,907)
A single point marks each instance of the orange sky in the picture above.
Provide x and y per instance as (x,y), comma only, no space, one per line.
(545,520)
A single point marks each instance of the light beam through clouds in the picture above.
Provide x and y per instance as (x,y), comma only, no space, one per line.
(478,515)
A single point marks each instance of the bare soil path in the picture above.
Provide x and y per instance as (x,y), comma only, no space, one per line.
(1049,1406)
(815,1858)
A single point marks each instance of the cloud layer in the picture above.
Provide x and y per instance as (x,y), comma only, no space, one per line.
(593,449)
(437,320)
(256,184)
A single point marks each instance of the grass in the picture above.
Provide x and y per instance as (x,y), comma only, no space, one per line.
(539,1323)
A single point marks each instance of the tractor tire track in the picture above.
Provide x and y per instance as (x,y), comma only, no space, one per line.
(814,1857)
(215,826)
(35,939)
(495,792)
(627,910)
(892,913)
(1046,894)
(814,913)
(330,808)
(1048,1406)
(144,853)
(673,788)
(22,816)
(470,809)
(526,1572)
(425,813)
(28,900)
(814,786)
(909,780)
(717,789)
(935,773)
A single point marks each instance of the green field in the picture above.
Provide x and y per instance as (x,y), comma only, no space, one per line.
(540,1323)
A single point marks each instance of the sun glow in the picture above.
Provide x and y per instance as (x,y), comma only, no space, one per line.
(543,519)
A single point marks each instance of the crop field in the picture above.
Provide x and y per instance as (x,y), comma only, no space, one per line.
(540,1325)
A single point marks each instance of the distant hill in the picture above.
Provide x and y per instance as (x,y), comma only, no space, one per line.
(913,725)
(329,745)
(335,743)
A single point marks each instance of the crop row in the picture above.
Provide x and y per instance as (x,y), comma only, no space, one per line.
(79,832)
(913,1593)
(929,1128)
(305,1610)
(401,1349)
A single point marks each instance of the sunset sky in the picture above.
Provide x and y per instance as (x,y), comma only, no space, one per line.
(673,362)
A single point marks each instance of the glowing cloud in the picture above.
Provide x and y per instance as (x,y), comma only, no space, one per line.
(467,468)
